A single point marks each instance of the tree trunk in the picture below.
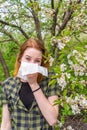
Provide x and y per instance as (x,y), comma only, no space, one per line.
(5,67)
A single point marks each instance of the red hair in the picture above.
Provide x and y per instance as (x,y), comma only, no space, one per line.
(32,43)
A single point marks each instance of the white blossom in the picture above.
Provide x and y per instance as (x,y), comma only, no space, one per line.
(75,109)
(78,70)
(77,104)
(51,60)
(60,45)
(86,46)
(68,75)
(83,82)
(75,52)
(66,39)
(83,102)
(68,56)
(70,62)
(63,67)
(85,56)
(69,128)
(62,82)
(69,100)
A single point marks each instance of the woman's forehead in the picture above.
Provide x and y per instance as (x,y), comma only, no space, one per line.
(33,51)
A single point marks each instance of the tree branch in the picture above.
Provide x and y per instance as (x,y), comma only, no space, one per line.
(11,37)
(52,4)
(5,40)
(5,68)
(15,26)
(53,28)
(67,16)
(37,23)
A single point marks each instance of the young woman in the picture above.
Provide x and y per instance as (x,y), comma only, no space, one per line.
(29,105)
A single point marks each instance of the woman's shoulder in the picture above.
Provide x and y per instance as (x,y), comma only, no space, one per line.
(10,81)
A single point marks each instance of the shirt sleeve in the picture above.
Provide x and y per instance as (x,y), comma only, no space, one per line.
(3,96)
(4,92)
(53,88)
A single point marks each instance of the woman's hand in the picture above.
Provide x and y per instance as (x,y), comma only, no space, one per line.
(32,80)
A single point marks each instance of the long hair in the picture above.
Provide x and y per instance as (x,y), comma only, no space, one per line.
(32,43)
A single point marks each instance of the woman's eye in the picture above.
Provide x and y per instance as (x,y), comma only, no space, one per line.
(38,61)
(28,59)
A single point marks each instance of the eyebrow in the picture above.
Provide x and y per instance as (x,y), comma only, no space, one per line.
(36,57)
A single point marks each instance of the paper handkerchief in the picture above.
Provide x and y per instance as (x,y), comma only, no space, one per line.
(30,68)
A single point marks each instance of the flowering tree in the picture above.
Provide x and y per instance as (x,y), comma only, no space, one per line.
(70,64)
(71,73)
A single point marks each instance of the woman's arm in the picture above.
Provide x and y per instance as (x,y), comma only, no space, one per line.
(47,107)
(6,122)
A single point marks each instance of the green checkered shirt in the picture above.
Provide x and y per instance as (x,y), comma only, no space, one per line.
(23,119)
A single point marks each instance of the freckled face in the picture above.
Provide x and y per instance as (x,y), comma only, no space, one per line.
(32,55)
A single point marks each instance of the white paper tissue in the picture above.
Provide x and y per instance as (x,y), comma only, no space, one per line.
(30,68)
